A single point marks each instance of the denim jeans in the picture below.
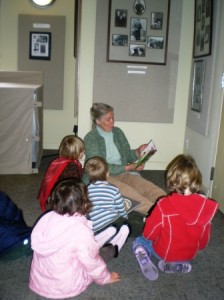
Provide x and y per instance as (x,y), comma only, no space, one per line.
(147,244)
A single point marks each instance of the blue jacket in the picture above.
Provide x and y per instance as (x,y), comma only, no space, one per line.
(13,228)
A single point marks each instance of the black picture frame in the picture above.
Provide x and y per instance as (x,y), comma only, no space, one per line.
(40,45)
(203,28)
(146,45)
(198,85)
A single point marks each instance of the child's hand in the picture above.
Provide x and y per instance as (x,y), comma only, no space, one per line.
(114,277)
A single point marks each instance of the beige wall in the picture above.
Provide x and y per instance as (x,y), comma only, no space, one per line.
(169,138)
(57,123)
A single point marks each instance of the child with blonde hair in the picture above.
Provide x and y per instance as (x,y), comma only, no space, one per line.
(67,165)
(179,225)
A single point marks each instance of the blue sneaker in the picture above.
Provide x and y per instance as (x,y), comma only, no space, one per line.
(149,270)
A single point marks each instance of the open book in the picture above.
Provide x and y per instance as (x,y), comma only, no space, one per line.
(146,153)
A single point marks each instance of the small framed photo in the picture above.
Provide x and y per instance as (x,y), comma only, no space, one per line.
(155,42)
(156,20)
(202,28)
(119,40)
(139,7)
(120,18)
(137,50)
(138,29)
(40,45)
(198,85)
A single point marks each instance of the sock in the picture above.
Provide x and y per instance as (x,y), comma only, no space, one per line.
(121,237)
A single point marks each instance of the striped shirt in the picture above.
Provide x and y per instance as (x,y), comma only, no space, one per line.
(108,204)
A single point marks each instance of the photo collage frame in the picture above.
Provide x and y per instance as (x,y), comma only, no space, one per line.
(138,31)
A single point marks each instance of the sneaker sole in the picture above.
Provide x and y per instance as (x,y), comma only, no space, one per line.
(175,267)
(149,270)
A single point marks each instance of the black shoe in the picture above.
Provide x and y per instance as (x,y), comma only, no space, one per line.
(109,251)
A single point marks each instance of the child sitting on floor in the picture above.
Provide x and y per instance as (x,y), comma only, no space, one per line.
(179,225)
(108,204)
(67,165)
(66,257)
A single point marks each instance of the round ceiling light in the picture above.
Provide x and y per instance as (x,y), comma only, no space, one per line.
(42,3)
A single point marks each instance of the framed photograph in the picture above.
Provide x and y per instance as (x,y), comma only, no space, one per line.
(119,40)
(198,85)
(142,27)
(138,29)
(40,45)
(120,18)
(139,7)
(202,28)
(137,50)
(155,42)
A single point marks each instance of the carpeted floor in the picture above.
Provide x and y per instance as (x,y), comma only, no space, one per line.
(205,281)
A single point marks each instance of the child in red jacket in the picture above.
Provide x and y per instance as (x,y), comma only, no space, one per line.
(66,165)
(179,225)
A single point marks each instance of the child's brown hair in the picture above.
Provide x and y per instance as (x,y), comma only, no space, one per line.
(96,168)
(70,196)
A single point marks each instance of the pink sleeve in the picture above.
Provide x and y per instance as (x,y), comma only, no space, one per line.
(91,261)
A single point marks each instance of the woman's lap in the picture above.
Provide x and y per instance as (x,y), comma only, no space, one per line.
(136,187)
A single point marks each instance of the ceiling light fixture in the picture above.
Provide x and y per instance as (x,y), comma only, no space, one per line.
(42,3)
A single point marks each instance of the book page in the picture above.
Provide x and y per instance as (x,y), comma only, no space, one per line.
(146,153)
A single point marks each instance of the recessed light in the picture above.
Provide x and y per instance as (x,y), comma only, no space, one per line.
(42,3)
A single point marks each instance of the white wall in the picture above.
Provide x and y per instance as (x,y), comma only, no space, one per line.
(57,123)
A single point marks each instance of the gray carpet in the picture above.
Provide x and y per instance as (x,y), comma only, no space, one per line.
(205,281)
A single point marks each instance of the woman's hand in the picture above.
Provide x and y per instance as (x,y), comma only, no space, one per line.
(114,277)
(140,149)
(132,167)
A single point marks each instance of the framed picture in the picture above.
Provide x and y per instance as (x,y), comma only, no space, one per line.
(40,45)
(155,42)
(138,31)
(198,85)
(120,18)
(119,40)
(202,28)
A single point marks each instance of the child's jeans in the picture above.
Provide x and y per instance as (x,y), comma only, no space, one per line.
(147,244)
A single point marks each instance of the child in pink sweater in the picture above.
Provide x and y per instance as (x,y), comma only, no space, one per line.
(66,257)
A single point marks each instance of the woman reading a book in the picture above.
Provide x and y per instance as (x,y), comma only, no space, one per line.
(107,141)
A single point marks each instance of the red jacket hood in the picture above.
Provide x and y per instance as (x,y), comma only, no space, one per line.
(194,208)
